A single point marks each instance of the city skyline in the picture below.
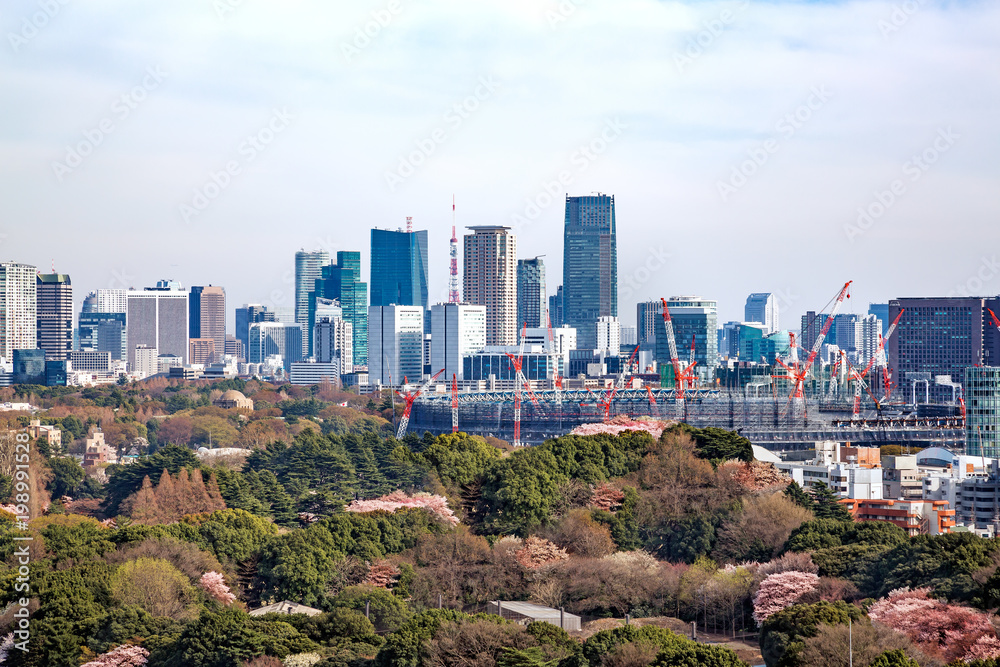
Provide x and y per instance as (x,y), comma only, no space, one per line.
(332,116)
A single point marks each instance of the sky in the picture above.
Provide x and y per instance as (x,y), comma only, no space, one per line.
(751,145)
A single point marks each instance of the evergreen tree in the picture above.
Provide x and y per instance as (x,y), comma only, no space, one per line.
(799,497)
(827,505)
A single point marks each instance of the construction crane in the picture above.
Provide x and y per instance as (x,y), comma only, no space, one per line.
(797,397)
(690,362)
(620,383)
(652,403)
(454,403)
(882,362)
(859,383)
(410,397)
(680,375)
(556,377)
(519,381)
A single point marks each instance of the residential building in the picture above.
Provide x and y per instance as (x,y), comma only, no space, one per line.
(902,477)
(762,307)
(647,314)
(54,299)
(490,279)
(395,344)
(609,334)
(531,297)
(52,434)
(940,336)
(308,269)
(96,451)
(846,470)
(207,317)
(250,313)
(333,341)
(457,330)
(342,282)
(18,309)
(694,318)
(201,351)
(399,268)
(916,517)
(157,317)
(280,339)
(590,264)
(982,405)
(556,308)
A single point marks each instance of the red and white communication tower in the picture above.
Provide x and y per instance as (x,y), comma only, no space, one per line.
(409,224)
(453,251)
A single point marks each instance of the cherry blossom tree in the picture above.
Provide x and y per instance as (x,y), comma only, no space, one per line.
(126,655)
(537,552)
(623,423)
(437,505)
(607,497)
(781,590)
(383,575)
(214,584)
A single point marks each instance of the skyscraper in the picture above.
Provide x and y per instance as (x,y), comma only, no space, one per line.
(18,309)
(308,268)
(457,330)
(693,317)
(54,315)
(556,308)
(157,317)
(207,316)
(812,325)
(342,281)
(111,300)
(490,279)
(762,307)
(250,313)
(333,340)
(531,298)
(275,338)
(609,334)
(982,425)
(395,344)
(881,311)
(590,265)
(647,313)
(399,268)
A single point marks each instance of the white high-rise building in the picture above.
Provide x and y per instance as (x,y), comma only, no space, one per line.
(395,344)
(762,307)
(609,334)
(157,317)
(18,309)
(457,330)
(146,361)
(269,339)
(333,340)
(490,279)
(563,341)
(112,301)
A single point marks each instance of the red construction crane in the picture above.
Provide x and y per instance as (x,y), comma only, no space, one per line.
(691,363)
(993,316)
(652,403)
(454,403)
(410,397)
(859,384)
(680,376)
(520,380)
(620,383)
(556,377)
(882,361)
(800,375)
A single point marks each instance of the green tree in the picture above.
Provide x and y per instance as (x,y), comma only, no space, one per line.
(828,505)
(297,565)
(799,497)
(896,658)
(402,647)
(223,638)
(387,612)
(155,586)
(67,476)
(783,635)
(125,480)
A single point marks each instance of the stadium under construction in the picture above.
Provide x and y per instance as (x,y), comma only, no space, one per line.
(774,422)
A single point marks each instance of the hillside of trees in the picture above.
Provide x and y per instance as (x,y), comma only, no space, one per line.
(401,545)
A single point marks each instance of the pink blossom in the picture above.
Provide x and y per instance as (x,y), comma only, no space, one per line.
(537,552)
(623,423)
(781,590)
(126,655)
(382,574)
(607,497)
(437,505)
(214,584)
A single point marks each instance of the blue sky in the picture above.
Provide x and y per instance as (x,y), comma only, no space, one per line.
(739,138)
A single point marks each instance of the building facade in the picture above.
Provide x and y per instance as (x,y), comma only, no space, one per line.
(982,405)
(18,308)
(248,314)
(395,344)
(457,330)
(556,308)
(609,334)
(590,264)
(201,351)
(762,307)
(145,361)
(308,269)
(275,338)
(333,340)
(647,314)
(490,279)
(158,317)
(694,318)
(54,295)
(399,268)
(207,316)
(531,298)
(112,300)
(342,281)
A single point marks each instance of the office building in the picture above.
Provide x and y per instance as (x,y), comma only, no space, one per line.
(399,268)
(308,373)
(308,269)
(493,363)
(531,297)
(235,349)
(157,317)
(693,318)
(857,335)
(201,351)
(250,313)
(562,344)
(647,314)
(490,279)
(982,405)
(762,307)
(275,339)
(457,330)
(556,308)
(145,361)
(54,299)
(90,361)
(590,265)
(18,308)
(103,332)
(629,337)
(395,344)
(342,282)
(881,311)
(29,366)
(940,336)
(333,341)
(112,300)
(207,317)
(811,326)
(609,334)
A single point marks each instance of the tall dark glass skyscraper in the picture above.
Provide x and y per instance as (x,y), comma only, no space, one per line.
(399,268)
(531,298)
(342,281)
(590,265)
